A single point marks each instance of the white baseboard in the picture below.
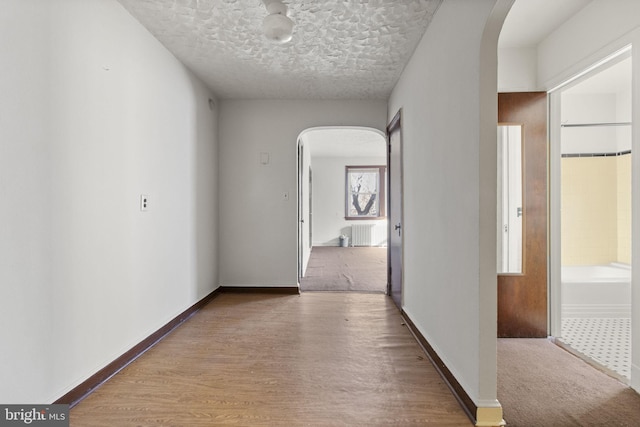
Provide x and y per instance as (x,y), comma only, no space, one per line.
(596,310)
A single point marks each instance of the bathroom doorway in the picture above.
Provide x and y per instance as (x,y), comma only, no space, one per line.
(591,202)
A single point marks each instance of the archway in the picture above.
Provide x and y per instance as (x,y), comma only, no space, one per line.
(326,155)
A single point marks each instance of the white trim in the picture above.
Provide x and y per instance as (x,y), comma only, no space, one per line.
(635,377)
(596,310)
(554,215)
(362,128)
(488,403)
(625,50)
(635,219)
(592,61)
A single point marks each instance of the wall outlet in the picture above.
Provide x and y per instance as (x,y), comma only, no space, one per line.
(144,202)
(265,158)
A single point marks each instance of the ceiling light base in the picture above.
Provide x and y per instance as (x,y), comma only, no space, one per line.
(277,27)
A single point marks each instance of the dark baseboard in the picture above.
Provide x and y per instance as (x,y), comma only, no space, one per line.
(278,290)
(460,394)
(81,391)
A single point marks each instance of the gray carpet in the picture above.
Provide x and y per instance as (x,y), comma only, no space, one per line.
(540,384)
(340,269)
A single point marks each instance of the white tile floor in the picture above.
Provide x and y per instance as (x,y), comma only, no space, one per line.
(607,340)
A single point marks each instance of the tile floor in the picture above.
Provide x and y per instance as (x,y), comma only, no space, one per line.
(606,340)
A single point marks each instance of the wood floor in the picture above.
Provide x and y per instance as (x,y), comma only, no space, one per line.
(316,359)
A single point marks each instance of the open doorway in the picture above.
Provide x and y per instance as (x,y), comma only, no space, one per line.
(342,225)
(592,190)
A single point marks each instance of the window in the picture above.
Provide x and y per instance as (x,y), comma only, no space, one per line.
(365,192)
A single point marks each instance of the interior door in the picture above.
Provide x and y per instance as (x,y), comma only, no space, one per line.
(300,210)
(394,177)
(304,209)
(310,225)
(522,297)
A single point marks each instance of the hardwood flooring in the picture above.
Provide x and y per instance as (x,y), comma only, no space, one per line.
(315,359)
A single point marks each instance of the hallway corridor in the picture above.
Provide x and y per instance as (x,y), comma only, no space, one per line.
(314,359)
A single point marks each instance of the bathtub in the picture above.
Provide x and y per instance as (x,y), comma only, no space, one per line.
(596,290)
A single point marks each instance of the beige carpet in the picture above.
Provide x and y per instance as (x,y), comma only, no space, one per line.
(337,269)
(540,384)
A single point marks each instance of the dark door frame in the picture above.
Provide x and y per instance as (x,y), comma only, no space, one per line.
(395,255)
(522,298)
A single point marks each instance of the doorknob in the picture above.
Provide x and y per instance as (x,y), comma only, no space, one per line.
(398,227)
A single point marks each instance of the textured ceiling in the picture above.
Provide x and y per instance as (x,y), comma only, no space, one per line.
(353,49)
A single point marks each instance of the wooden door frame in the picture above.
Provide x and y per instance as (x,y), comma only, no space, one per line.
(300,198)
(395,125)
(531,286)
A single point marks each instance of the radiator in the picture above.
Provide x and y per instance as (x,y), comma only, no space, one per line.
(369,234)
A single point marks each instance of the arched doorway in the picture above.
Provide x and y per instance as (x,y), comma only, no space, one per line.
(345,223)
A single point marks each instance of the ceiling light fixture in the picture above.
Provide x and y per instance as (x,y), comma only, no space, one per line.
(277,27)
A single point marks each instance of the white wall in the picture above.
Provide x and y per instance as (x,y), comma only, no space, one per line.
(258,239)
(517,69)
(448,96)
(597,30)
(329,197)
(589,108)
(25,204)
(94,113)
(624,113)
